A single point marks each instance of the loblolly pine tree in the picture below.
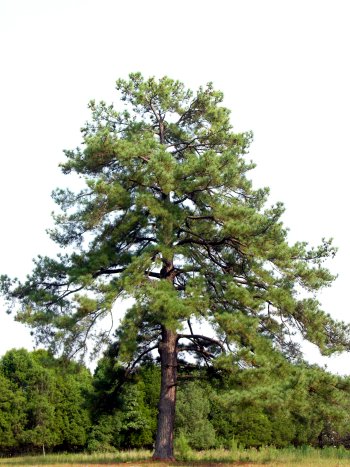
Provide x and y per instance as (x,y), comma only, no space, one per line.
(169,217)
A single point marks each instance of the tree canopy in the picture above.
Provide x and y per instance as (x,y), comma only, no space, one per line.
(169,217)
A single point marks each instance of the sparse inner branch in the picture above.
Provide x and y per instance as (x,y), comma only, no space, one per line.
(203,339)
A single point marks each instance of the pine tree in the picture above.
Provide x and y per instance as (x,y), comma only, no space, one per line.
(168,216)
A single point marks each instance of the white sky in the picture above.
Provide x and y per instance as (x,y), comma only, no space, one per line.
(282,65)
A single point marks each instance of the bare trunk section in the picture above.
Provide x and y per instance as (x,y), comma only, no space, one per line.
(164,448)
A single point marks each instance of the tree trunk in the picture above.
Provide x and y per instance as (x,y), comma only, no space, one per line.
(164,448)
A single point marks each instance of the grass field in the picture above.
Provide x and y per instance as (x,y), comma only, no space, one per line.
(306,457)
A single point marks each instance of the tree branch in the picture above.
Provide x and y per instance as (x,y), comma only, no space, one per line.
(142,354)
(203,242)
(108,271)
(190,326)
(204,338)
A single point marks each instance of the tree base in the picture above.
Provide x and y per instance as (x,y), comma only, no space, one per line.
(164,459)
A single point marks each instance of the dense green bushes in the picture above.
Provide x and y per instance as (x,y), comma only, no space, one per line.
(51,404)
(42,403)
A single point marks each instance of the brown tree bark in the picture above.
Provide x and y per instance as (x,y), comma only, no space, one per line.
(164,447)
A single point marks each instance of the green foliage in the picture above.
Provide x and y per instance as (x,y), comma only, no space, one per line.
(124,409)
(252,428)
(102,437)
(136,424)
(12,417)
(43,402)
(182,446)
(192,411)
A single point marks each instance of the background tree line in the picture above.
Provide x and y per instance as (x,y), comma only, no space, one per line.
(51,404)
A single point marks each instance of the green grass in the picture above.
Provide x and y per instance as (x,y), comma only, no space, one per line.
(79,459)
(305,456)
(269,456)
